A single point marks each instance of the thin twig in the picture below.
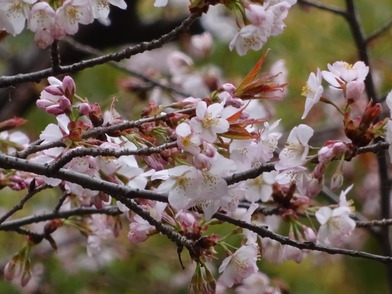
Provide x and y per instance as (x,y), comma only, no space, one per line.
(80,152)
(60,202)
(6,81)
(333,9)
(92,51)
(265,233)
(374,223)
(378,32)
(21,203)
(12,225)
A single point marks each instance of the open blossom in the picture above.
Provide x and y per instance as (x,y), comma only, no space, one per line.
(312,91)
(73,12)
(260,188)
(249,37)
(42,22)
(336,224)
(265,21)
(186,139)
(13,15)
(347,77)
(296,149)
(101,8)
(341,72)
(208,121)
(235,268)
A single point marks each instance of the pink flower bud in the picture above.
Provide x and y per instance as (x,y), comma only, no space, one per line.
(69,87)
(255,14)
(202,162)
(84,109)
(354,90)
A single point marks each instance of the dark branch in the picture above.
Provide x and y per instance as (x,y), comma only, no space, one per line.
(265,233)
(124,54)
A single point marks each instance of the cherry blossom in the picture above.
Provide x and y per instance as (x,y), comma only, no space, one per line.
(312,91)
(249,37)
(57,97)
(347,77)
(341,72)
(13,15)
(188,140)
(101,8)
(238,266)
(73,12)
(255,14)
(42,21)
(336,224)
(296,149)
(260,188)
(208,121)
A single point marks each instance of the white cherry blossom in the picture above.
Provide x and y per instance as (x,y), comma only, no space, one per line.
(296,149)
(208,121)
(239,266)
(312,91)
(13,15)
(336,224)
(73,12)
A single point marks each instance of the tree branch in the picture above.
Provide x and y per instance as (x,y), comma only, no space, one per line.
(21,203)
(377,33)
(265,233)
(76,67)
(320,6)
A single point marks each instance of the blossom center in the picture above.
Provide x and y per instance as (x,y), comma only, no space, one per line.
(72,13)
(306,90)
(348,66)
(250,41)
(209,121)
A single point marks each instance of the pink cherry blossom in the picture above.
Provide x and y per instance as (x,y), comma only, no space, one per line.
(56,98)
(238,266)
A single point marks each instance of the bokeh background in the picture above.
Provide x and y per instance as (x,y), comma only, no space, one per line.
(312,39)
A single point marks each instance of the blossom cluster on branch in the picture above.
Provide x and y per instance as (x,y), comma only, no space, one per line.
(192,163)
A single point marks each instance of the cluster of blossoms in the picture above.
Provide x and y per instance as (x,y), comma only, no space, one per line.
(261,22)
(212,139)
(258,21)
(53,20)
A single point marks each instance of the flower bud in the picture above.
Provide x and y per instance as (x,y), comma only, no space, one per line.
(69,87)
(354,90)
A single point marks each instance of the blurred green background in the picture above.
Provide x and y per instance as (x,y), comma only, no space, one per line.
(311,39)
